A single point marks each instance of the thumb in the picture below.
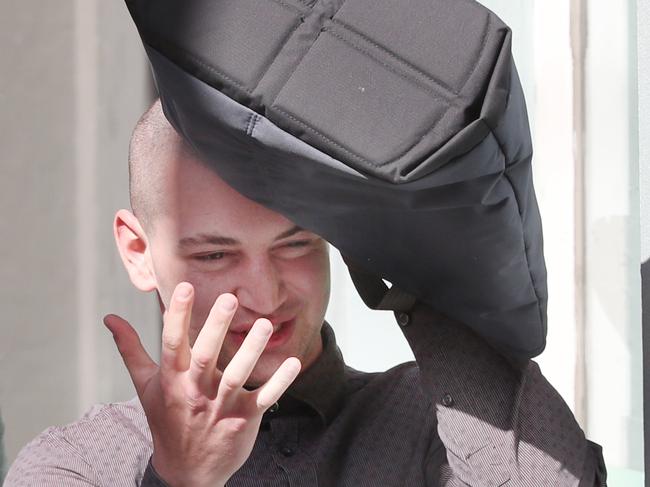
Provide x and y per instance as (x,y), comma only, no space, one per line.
(138,362)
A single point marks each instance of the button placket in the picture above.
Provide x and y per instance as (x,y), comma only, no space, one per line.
(285,437)
(286,451)
(447,400)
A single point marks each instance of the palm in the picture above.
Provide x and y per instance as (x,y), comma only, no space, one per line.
(203,422)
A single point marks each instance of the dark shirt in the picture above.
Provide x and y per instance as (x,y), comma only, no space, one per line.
(462,415)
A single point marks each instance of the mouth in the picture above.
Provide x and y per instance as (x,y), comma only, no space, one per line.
(282,331)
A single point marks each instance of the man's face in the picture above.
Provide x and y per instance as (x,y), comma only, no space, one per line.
(221,242)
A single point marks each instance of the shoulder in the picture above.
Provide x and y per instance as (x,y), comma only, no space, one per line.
(387,408)
(109,445)
(110,424)
(397,385)
(406,374)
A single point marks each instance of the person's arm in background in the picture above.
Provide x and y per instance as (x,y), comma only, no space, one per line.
(500,424)
(51,459)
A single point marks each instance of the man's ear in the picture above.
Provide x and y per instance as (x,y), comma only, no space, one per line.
(133,246)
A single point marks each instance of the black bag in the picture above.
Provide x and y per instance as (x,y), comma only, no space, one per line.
(395,129)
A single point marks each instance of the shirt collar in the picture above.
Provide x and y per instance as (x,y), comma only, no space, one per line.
(322,385)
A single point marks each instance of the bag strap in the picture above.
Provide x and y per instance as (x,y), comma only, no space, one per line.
(375,293)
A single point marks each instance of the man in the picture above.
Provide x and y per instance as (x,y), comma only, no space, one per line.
(251,388)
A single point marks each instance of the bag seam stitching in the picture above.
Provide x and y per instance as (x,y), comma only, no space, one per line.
(394,56)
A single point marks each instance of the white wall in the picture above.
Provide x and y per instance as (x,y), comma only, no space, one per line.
(643,56)
(614,357)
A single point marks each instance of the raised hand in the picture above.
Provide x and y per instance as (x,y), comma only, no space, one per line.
(203,422)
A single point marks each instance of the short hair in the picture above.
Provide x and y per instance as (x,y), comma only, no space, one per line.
(154,142)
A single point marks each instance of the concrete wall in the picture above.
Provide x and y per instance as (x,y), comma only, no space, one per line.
(74,82)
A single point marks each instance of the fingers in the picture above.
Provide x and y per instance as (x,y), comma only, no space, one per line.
(279,382)
(242,364)
(208,344)
(175,353)
(138,362)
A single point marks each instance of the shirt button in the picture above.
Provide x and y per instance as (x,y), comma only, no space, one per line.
(275,408)
(403,319)
(287,451)
(447,400)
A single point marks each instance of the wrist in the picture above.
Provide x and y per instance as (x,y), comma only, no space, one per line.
(175,477)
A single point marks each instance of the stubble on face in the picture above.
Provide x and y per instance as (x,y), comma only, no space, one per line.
(307,312)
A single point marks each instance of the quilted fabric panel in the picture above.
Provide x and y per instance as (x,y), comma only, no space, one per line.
(378,84)
(233,41)
(359,105)
(428,34)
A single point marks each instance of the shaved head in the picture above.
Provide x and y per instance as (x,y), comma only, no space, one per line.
(189,225)
(154,144)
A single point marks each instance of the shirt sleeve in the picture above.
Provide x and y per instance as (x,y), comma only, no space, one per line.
(151,478)
(48,461)
(2,450)
(501,424)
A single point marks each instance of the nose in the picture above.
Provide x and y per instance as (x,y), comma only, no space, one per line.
(261,287)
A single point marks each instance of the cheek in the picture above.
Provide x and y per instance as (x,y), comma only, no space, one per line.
(206,291)
(169,272)
(310,278)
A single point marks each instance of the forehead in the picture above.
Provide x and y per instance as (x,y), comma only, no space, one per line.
(197,200)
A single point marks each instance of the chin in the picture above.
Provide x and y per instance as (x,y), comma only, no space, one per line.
(258,380)
(264,370)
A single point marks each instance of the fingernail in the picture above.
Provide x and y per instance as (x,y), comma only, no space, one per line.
(228,303)
(107,323)
(263,327)
(268,328)
(183,291)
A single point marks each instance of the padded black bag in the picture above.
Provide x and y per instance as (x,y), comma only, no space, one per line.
(395,129)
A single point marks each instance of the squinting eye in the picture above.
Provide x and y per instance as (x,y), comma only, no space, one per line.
(298,243)
(210,257)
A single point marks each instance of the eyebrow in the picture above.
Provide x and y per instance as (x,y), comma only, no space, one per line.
(205,238)
(215,239)
(292,231)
